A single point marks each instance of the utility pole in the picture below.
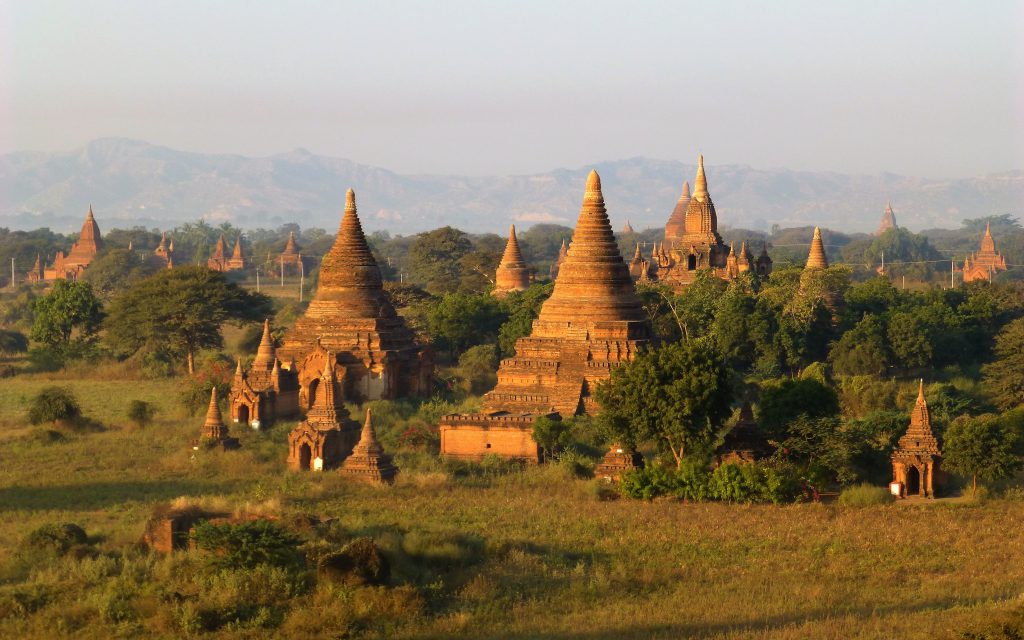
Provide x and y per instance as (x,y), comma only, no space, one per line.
(257,279)
(883,263)
(302,276)
(952,268)
(282,270)
(12,272)
(904,283)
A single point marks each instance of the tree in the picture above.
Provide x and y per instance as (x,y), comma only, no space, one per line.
(1004,377)
(523,308)
(676,396)
(115,270)
(183,309)
(862,350)
(69,309)
(551,434)
(53,404)
(477,366)
(984,447)
(434,259)
(783,402)
(13,341)
(461,320)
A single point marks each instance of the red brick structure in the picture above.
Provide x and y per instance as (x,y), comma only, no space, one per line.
(71,265)
(888,220)
(367,462)
(36,274)
(592,323)
(745,442)
(816,258)
(984,264)
(214,433)
(675,228)
(916,458)
(562,253)
(290,260)
(328,433)
(351,324)
(512,273)
(163,255)
(266,391)
(220,261)
(618,461)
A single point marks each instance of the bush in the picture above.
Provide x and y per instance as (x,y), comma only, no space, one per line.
(758,482)
(59,538)
(54,404)
(141,412)
(247,544)
(865,495)
(359,562)
(13,341)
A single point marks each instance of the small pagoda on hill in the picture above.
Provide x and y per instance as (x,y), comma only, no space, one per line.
(71,265)
(351,326)
(290,260)
(512,274)
(984,264)
(916,459)
(592,323)
(266,391)
(328,433)
(220,261)
(163,255)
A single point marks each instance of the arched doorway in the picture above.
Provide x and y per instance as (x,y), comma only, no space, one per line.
(691,262)
(243,414)
(314,384)
(913,481)
(305,456)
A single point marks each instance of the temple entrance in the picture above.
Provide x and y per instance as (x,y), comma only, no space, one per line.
(243,414)
(305,456)
(691,263)
(913,481)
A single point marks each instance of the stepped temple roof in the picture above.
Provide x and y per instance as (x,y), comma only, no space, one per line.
(917,454)
(817,259)
(367,462)
(888,220)
(983,264)
(90,242)
(351,318)
(512,273)
(701,221)
(676,225)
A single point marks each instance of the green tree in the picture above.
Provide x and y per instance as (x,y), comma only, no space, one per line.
(909,339)
(53,404)
(783,402)
(246,545)
(460,320)
(115,270)
(434,259)
(551,434)
(1004,377)
(983,447)
(676,396)
(523,308)
(182,309)
(862,350)
(67,319)
(477,368)
(12,341)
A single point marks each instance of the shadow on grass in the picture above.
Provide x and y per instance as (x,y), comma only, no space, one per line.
(98,495)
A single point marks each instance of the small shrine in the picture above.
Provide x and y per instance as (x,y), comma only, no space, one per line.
(916,458)
(214,432)
(220,261)
(327,434)
(367,462)
(266,391)
(745,442)
(984,264)
(617,461)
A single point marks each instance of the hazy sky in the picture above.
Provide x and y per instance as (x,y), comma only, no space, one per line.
(926,88)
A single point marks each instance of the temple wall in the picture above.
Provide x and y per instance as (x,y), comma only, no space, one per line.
(474,441)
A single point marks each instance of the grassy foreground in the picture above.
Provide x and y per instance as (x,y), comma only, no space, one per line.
(526,555)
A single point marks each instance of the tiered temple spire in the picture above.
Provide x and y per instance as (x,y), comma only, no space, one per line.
(917,454)
(367,462)
(676,225)
(817,259)
(512,273)
(888,220)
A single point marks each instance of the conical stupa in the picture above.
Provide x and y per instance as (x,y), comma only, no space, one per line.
(562,252)
(512,273)
(367,462)
(214,432)
(592,323)
(817,259)
(89,243)
(675,228)
(888,220)
(351,317)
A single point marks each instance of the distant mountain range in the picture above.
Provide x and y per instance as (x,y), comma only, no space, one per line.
(130,182)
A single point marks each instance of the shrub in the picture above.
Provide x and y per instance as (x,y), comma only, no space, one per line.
(54,404)
(59,538)
(13,341)
(735,483)
(359,562)
(141,412)
(647,483)
(247,544)
(865,495)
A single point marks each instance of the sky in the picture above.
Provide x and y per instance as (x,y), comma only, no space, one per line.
(923,88)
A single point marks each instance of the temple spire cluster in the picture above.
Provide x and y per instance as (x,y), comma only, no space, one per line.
(984,264)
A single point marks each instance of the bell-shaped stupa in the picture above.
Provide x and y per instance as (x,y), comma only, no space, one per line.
(512,273)
(817,259)
(376,356)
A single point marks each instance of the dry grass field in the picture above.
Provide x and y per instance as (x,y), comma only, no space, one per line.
(529,554)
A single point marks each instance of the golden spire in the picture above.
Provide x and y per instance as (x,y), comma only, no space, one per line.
(700,184)
(265,355)
(512,256)
(817,259)
(238,369)
(512,274)
(213,416)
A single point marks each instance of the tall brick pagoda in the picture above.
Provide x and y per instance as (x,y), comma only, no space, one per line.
(916,458)
(328,433)
(220,261)
(816,258)
(266,391)
(562,251)
(163,255)
(512,273)
(351,323)
(675,228)
(592,323)
(888,220)
(984,264)
(290,260)
(71,265)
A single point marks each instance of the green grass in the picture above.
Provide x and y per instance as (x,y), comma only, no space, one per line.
(530,554)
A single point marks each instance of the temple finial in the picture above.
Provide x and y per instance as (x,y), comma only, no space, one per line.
(593,182)
(700,184)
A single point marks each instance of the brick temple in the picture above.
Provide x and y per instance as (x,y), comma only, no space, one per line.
(984,264)
(214,432)
(328,433)
(290,260)
(916,458)
(351,325)
(163,255)
(71,265)
(512,274)
(692,243)
(265,391)
(592,323)
(220,261)
(368,462)
(888,220)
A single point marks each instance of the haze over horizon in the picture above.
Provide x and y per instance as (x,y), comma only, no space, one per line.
(931,89)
